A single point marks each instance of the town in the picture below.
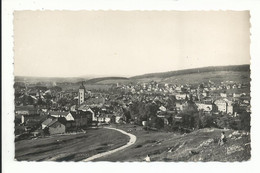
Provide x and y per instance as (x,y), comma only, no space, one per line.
(41,110)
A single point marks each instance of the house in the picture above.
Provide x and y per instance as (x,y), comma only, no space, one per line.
(25,117)
(46,123)
(221,105)
(34,122)
(205,107)
(68,123)
(25,110)
(95,102)
(181,96)
(53,126)
(56,127)
(82,119)
(118,119)
(162,108)
(179,106)
(224,105)
(237,95)
(57,114)
(223,94)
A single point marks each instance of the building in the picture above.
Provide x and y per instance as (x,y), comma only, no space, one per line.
(46,123)
(82,119)
(81,94)
(205,107)
(25,110)
(53,126)
(179,106)
(181,96)
(221,105)
(58,114)
(56,127)
(223,94)
(224,105)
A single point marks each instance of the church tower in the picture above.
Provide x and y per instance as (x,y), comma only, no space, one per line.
(81,94)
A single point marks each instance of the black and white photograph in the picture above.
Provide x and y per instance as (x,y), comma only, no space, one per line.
(132,86)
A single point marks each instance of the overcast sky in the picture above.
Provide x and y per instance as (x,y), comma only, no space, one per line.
(117,43)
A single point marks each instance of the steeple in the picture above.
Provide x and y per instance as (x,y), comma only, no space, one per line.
(81,94)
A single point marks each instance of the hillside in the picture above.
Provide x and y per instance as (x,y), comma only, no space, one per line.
(200,145)
(239,68)
(214,76)
(237,73)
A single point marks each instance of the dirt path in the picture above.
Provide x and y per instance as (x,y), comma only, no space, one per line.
(131,142)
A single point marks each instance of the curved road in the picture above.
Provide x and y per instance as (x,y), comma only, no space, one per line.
(131,142)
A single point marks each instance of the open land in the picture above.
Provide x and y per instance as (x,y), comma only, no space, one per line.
(74,147)
(200,145)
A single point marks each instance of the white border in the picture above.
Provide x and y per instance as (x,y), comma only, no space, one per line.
(10,166)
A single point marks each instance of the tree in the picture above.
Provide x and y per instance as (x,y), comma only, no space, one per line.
(206,121)
(223,122)
(245,121)
(170,104)
(62,101)
(156,122)
(27,100)
(190,108)
(126,114)
(151,110)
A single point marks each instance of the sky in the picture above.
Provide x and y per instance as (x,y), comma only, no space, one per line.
(127,43)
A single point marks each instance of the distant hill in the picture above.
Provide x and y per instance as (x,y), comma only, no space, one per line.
(239,73)
(30,79)
(239,68)
(102,79)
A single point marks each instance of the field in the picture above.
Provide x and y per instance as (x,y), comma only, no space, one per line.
(217,77)
(197,78)
(69,147)
(201,145)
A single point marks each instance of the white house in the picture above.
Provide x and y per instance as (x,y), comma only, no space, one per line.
(224,105)
(66,115)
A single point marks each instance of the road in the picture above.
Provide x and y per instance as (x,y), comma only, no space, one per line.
(131,142)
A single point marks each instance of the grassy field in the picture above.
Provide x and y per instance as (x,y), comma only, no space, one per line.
(197,78)
(201,145)
(69,147)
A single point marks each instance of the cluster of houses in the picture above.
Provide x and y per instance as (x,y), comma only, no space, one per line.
(82,115)
(86,108)
(207,96)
